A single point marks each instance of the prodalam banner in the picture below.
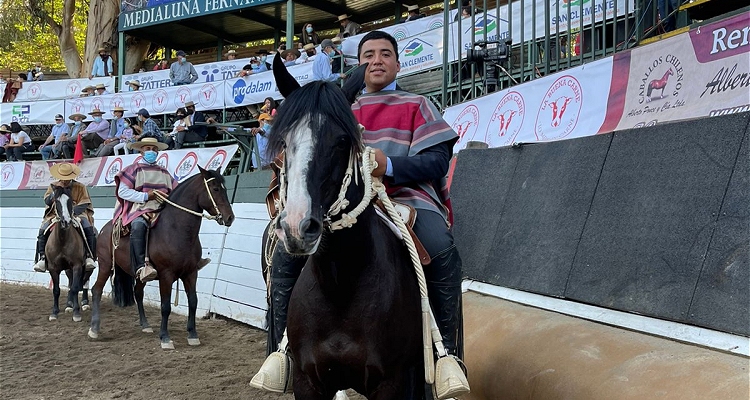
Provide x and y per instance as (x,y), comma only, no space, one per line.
(31,113)
(255,88)
(101,171)
(58,89)
(206,96)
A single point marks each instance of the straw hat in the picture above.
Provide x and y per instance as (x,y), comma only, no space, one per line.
(101,49)
(412,8)
(148,141)
(336,40)
(135,83)
(189,103)
(87,88)
(4,129)
(343,17)
(230,52)
(72,116)
(120,109)
(264,116)
(96,111)
(308,46)
(100,86)
(64,171)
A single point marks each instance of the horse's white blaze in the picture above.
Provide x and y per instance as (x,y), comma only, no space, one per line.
(298,201)
(63,199)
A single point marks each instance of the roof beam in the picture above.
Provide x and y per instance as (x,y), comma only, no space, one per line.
(329,7)
(228,37)
(257,16)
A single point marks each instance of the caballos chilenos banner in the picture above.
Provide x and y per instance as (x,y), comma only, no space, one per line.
(101,171)
(58,89)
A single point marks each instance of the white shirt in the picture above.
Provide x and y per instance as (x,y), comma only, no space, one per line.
(132,195)
(20,137)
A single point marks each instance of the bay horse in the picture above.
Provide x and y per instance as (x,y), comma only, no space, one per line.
(659,84)
(65,251)
(354,313)
(174,250)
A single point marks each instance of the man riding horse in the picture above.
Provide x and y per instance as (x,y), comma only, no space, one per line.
(413,149)
(65,173)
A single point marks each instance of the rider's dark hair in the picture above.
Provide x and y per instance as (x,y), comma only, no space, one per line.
(375,35)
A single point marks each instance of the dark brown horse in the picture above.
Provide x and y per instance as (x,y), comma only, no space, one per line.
(174,250)
(354,314)
(65,251)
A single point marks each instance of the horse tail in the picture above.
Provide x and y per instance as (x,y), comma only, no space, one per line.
(123,292)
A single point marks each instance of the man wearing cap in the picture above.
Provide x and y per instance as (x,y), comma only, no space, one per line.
(195,132)
(102,64)
(65,173)
(134,85)
(148,127)
(348,28)
(101,89)
(60,131)
(231,55)
(182,71)
(116,126)
(67,144)
(413,12)
(137,201)
(96,132)
(322,64)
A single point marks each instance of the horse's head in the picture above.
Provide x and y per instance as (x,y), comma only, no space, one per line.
(214,199)
(318,133)
(63,204)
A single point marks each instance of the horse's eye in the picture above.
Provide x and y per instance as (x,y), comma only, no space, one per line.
(342,143)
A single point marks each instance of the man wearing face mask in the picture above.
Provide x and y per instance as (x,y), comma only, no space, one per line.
(137,202)
(36,73)
(67,144)
(182,71)
(260,159)
(102,64)
(322,64)
(116,126)
(59,132)
(96,132)
(263,64)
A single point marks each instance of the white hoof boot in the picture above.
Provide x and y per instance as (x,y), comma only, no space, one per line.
(53,317)
(68,309)
(167,346)
(85,307)
(77,318)
(93,334)
(194,342)
(147,330)
(450,380)
(275,374)
(341,395)
(41,266)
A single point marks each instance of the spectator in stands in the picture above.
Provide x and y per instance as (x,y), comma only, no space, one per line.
(269,106)
(88,91)
(309,35)
(116,126)
(96,132)
(308,55)
(413,13)
(134,85)
(19,143)
(101,89)
(261,139)
(231,55)
(35,74)
(141,70)
(196,131)
(666,13)
(247,70)
(67,144)
(181,121)
(125,139)
(12,88)
(263,64)
(4,138)
(182,71)
(162,64)
(338,57)
(60,131)
(102,64)
(148,127)
(348,28)
(290,57)
(322,64)
(465,12)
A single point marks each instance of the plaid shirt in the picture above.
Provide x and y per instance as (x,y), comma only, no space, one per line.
(150,129)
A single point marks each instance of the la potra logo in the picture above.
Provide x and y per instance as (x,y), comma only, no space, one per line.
(506,120)
(114,169)
(560,109)
(466,123)
(662,78)
(8,173)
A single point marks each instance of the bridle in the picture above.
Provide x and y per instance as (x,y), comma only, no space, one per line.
(217,217)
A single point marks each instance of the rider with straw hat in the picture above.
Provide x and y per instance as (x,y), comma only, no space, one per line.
(66,173)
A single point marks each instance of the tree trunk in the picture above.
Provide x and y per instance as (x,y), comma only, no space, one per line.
(64,32)
(102,32)
(135,52)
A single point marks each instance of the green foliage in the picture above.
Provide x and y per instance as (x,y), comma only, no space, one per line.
(25,40)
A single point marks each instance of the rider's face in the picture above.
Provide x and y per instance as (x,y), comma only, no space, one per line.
(148,147)
(65,183)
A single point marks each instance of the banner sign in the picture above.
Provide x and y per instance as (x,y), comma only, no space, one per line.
(31,113)
(101,171)
(206,96)
(137,14)
(58,89)
(420,53)
(207,73)
(255,88)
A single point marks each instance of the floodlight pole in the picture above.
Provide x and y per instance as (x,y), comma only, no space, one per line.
(120,55)
(289,24)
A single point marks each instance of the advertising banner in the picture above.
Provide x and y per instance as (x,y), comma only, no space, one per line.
(31,113)
(421,53)
(58,89)
(206,96)
(11,174)
(255,88)
(207,73)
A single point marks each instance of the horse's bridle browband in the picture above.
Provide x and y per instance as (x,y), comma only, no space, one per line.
(218,215)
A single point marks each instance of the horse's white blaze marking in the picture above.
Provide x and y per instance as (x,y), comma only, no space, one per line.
(63,199)
(298,202)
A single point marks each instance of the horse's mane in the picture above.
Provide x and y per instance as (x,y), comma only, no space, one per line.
(321,103)
(177,192)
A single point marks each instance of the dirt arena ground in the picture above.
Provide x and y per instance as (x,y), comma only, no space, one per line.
(40,359)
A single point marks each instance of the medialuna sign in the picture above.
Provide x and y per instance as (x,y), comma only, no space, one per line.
(159,12)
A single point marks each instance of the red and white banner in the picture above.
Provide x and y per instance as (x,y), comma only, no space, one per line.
(101,171)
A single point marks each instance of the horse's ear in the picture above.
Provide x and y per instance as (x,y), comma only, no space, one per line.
(203,171)
(354,83)
(285,82)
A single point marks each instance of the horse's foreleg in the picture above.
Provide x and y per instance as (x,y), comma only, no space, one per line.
(145,327)
(96,297)
(85,296)
(165,292)
(304,388)
(189,283)
(74,285)
(55,295)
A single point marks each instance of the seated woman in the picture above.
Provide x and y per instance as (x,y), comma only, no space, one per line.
(181,123)
(20,143)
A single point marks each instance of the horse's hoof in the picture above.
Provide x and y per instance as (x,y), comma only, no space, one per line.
(194,342)
(167,346)
(93,334)
(77,318)
(68,309)
(85,307)
(53,317)
(147,330)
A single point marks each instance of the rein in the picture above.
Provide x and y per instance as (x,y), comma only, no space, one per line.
(164,199)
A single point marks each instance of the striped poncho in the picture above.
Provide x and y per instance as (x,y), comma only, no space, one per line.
(404,124)
(142,178)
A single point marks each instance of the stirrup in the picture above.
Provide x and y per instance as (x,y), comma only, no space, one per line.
(203,262)
(90,264)
(41,265)
(450,378)
(146,273)
(275,375)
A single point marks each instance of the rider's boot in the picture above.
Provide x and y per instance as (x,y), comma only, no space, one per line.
(444,289)
(143,270)
(203,262)
(91,249)
(41,243)
(275,373)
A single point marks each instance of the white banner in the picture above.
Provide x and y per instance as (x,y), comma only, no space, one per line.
(206,96)
(209,72)
(31,113)
(566,105)
(401,32)
(420,53)
(58,89)
(255,88)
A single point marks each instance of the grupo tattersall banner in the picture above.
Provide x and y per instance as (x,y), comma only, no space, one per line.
(101,171)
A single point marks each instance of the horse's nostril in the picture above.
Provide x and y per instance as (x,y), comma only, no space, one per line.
(310,227)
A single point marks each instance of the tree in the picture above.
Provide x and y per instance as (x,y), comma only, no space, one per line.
(62,27)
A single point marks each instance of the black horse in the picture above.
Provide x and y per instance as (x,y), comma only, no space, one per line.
(174,250)
(354,314)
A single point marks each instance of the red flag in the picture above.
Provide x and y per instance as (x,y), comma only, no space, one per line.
(78,157)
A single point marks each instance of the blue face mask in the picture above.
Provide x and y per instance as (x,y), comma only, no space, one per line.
(266,127)
(263,59)
(77,123)
(149,156)
(98,119)
(309,29)
(255,66)
(332,53)
(59,124)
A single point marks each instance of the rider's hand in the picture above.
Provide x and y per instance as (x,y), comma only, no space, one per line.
(152,194)
(382,163)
